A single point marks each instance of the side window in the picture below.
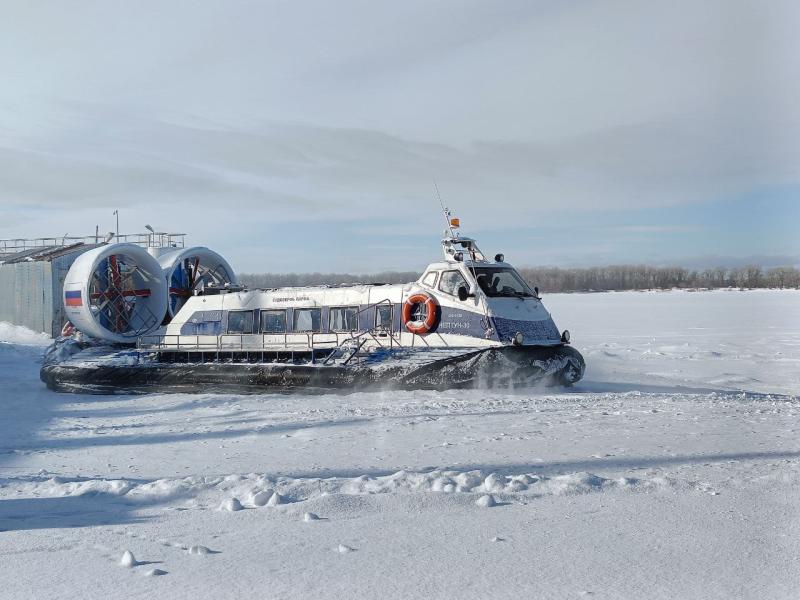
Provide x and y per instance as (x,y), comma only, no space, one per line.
(273,321)
(430,279)
(203,322)
(344,318)
(383,316)
(206,328)
(240,321)
(307,319)
(451,281)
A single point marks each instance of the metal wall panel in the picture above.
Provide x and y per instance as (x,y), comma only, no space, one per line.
(26,295)
(60,268)
(31,293)
(8,302)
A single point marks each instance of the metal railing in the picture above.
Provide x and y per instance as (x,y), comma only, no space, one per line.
(227,342)
(155,239)
(307,341)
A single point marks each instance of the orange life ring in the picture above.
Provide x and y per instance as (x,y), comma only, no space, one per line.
(431,320)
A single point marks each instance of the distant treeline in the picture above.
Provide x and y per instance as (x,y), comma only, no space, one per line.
(556,279)
(642,277)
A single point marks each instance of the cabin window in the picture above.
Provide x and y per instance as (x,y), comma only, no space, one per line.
(344,318)
(502,281)
(273,321)
(451,281)
(307,319)
(430,279)
(383,316)
(240,321)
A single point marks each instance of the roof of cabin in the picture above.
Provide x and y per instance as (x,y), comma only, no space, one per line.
(44,253)
(323,287)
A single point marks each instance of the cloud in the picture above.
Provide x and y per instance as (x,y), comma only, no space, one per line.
(657,228)
(325,169)
(240,116)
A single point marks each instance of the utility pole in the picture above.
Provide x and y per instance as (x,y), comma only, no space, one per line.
(116,212)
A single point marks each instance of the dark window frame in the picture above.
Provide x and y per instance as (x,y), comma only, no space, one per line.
(273,310)
(441,279)
(303,309)
(481,272)
(228,322)
(391,316)
(343,307)
(435,279)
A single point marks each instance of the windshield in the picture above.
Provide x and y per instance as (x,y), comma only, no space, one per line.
(501,281)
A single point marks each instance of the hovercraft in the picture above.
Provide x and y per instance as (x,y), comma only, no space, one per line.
(182,323)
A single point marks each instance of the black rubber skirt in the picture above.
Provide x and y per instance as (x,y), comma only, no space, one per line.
(491,368)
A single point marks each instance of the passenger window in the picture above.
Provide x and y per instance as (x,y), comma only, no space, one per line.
(344,319)
(240,321)
(430,279)
(273,321)
(451,281)
(307,319)
(383,316)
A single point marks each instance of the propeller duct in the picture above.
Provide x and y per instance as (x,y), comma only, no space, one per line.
(190,269)
(116,293)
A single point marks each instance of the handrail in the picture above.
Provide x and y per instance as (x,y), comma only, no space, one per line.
(312,344)
(228,341)
(249,341)
(165,239)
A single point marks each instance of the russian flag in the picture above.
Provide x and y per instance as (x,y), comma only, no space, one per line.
(73,298)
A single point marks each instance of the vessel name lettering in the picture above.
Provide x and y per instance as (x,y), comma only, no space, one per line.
(454,325)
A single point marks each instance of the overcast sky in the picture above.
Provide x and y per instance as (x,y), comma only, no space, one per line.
(305,136)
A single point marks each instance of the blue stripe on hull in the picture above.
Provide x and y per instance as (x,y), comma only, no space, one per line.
(463,322)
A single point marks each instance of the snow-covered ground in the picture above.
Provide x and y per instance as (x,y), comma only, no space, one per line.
(671,471)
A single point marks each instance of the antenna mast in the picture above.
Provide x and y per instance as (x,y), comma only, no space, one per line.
(445,211)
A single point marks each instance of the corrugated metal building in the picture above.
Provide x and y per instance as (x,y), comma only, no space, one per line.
(32,283)
(32,273)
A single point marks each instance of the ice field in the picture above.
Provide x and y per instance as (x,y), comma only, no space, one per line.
(671,471)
